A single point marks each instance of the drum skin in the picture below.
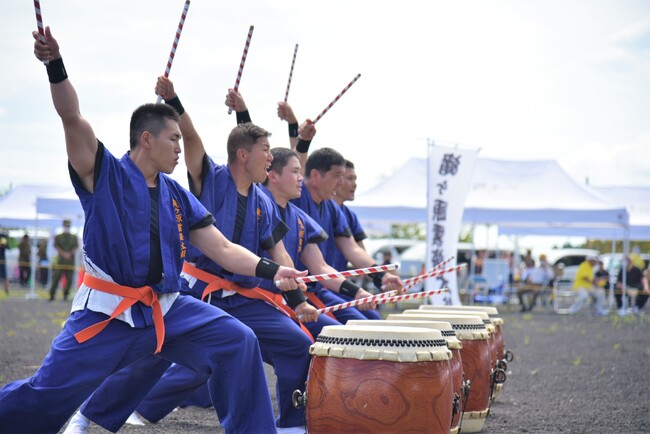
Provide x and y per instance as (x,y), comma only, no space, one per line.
(377,396)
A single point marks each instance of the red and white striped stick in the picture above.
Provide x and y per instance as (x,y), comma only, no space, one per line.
(337,98)
(419,278)
(347,273)
(394,298)
(286,94)
(372,298)
(433,273)
(175,44)
(39,23)
(243,61)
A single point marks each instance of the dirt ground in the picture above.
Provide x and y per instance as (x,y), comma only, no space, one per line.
(580,374)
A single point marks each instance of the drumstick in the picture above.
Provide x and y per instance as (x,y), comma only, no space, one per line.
(286,94)
(391,299)
(434,273)
(370,299)
(337,98)
(39,24)
(243,60)
(175,44)
(418,278)
(347,273)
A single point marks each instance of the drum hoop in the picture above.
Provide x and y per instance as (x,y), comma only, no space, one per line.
(367,342)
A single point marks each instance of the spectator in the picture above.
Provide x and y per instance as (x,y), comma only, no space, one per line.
(66,245)
(24,260)
(536,278)
(586,287)
(479,259)
(634,280)
(43,269)
(4,243)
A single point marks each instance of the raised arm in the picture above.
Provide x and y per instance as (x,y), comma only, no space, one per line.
(80,140)
(235,101)
(192,143)
(300,137)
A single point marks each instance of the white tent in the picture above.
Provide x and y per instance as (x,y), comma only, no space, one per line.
(65,203)
(524,197)
(637,202)
(18,207)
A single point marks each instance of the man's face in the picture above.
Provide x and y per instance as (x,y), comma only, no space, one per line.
(330,181)
(258,160)
(348,186)
(290,180)
(166,148)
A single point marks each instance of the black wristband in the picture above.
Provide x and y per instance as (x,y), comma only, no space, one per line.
(56,72)
(176,103)
(243,117)
(293,129)
(266,269)
(294,297)
(303,146)
(349,288)
(376,277)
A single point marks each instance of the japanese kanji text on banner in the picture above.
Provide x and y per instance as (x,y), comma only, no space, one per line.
(449,178)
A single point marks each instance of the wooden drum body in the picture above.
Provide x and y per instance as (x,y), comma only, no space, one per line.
(476,359)
(493,313)
(453,344)
(375,379)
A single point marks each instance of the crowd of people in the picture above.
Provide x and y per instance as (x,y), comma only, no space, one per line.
(591,285)
(186,293)
(63,267)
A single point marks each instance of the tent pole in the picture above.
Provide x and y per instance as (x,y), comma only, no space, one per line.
(612,280)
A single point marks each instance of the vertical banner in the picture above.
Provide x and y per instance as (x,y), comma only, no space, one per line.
(450,172)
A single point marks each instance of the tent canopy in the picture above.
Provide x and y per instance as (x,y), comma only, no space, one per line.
(522,196)
(63,202)
(637,202)
(18,208)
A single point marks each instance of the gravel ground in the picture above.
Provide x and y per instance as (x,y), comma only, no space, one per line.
(579,374)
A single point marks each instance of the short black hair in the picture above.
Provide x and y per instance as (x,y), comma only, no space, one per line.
(349,164)
(322,160)
(150,117)
(244,136)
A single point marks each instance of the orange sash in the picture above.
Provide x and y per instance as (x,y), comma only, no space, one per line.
(144,294)
(216,283)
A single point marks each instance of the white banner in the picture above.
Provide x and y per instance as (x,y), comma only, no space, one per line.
(450,174)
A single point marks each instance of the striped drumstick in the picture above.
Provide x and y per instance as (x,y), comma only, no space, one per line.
(329,106)
(177,37)
(433,273)
(286,94)
(345,274)
(243,61)
(39,23)
(391,299)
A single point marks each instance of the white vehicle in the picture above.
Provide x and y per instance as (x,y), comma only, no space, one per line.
(566,261)
(377,246)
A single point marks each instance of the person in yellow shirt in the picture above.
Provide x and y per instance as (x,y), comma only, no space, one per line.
(586,287)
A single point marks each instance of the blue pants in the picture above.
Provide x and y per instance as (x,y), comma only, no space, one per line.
(330,298)
(284,346)
(197,335)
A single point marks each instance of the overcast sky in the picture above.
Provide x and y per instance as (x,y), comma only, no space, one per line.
(565,80)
